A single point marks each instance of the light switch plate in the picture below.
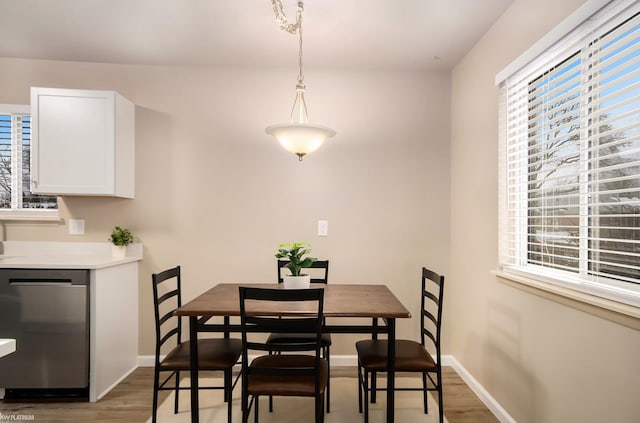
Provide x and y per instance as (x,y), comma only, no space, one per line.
(76,226)
(323,227)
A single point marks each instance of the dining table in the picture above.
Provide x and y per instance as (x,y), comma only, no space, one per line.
(374,301)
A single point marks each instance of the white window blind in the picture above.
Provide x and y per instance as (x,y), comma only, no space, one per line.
(570,159)
(16,200)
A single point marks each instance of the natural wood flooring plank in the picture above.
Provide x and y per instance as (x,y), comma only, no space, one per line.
(130,402)
(461,405)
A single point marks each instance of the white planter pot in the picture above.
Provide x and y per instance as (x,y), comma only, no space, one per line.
(118,251)
(297,282)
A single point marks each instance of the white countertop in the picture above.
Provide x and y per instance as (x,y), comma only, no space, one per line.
(64,255)
(7,346)
(62,262)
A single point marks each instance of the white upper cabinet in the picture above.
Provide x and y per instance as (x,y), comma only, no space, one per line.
(82,143)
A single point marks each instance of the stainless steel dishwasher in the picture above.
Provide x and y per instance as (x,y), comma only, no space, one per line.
(47,312)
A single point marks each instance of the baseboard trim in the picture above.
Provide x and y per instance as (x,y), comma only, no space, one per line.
(146,360)
(488,400)
(447,360)
(105,391)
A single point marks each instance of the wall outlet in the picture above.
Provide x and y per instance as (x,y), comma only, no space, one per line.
(76,226)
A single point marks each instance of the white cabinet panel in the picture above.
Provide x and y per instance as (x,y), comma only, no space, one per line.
(83,142)
(114,327)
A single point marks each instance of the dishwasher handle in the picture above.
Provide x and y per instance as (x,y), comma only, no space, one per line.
(44,277)
(40,282)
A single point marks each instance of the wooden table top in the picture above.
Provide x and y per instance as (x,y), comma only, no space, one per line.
(339,301)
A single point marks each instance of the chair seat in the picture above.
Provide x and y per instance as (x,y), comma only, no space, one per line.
(292,338)
(303,385)
(410,356)
(213,354)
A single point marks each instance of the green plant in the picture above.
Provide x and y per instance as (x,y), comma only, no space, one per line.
(295,254)
(121,236)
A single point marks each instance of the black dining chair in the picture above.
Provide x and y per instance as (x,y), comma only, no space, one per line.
(411,356)
(322,277)
(288,373)
(213,354)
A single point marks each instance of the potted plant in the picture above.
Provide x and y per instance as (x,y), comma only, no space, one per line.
(295,253)
(120,238)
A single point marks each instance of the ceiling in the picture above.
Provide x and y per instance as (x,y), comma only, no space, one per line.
(386,34)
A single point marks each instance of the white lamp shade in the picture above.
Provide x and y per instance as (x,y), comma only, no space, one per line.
(300,138)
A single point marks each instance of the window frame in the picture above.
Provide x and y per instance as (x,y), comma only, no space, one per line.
(554,48)
(29,214)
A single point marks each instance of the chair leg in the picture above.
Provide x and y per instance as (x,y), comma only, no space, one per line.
(424,393)
(228,385)
(319,408)
(156,381)
(366,395)
(440,399)
(270,396)
(225,397)
(326,356)
(256,407)
(244,401)
(359,388)
(373,387)
(177,392)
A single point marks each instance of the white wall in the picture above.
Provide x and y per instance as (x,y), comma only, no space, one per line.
(542,360)
(217,195)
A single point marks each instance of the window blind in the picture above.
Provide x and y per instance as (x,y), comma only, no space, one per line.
(15,166)
(7,129)
(570,158)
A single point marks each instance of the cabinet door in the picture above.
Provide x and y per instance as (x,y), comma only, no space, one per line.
(73,141)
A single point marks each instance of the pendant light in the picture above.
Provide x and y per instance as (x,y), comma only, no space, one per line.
(299,136)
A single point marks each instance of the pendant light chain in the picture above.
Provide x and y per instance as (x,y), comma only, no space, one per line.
(291,28)
(282,18)
(300,74)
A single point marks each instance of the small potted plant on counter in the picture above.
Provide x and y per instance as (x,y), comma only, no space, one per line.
(295,253)
(120,238)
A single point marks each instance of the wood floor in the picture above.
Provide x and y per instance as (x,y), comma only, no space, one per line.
(130,402)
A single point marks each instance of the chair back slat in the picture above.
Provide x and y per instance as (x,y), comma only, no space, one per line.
(168,335)
(168,295)
(432,276)
(429,335)
(166,317)
(174,272)
(431,296)
(428,315)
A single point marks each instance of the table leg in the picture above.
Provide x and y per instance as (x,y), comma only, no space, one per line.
(391,371)
(193,344)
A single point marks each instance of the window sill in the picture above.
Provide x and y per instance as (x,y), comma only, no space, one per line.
(30,216)
(623,314)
